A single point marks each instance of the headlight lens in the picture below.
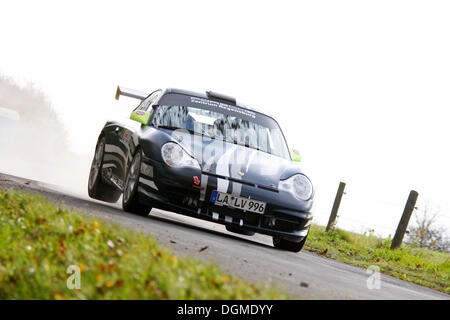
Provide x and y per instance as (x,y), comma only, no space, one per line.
(175,156)
(299,185)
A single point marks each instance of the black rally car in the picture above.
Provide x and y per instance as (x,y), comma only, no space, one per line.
(205,156)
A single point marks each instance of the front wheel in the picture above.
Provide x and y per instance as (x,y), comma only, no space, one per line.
(281,243)
(130,198)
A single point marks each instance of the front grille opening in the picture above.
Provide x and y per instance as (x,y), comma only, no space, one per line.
(281,224)
(237,215)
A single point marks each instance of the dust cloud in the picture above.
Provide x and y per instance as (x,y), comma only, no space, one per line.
(33,141)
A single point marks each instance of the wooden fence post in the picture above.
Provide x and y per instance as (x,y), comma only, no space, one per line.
(337,203)
(403,224)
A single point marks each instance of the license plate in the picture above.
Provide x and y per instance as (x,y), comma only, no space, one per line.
(245,204)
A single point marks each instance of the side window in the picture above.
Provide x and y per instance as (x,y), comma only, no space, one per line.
(148,101)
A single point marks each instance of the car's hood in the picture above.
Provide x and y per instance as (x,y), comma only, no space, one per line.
(236,161)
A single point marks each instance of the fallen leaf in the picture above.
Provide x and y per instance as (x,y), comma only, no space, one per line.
(62,247)
(304,285)
(119,283)
(80,230)
(112,266)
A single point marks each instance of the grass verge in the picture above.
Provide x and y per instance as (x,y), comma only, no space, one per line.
(39,241)
(425,267)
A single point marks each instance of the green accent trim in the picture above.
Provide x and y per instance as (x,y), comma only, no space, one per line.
(295,155)
(140,116)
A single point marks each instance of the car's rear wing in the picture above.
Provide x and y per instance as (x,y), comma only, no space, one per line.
(121,91)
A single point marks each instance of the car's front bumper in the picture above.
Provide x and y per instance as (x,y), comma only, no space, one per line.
(174,189)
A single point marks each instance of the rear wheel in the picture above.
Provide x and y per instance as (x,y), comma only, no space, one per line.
(130,198)
(281,243)
(97,188)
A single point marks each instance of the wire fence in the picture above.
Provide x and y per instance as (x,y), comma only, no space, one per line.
(363,211)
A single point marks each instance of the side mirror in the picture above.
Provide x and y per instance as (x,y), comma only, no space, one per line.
(140,116)
(295,155)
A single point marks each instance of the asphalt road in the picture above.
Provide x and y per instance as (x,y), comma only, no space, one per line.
(304,275)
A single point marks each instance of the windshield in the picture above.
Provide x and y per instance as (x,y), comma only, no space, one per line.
(264,136)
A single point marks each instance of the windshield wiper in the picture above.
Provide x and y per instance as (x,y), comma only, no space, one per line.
(203,133)
(174,128)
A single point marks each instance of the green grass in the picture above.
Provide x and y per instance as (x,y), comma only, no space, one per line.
(39,241)
(418,265)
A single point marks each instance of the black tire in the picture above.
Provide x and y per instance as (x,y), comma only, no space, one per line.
(235,229)
(281,243)
(97,188)
(130,198)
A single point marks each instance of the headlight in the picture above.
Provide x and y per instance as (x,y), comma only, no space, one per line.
(175,156)
(299,185)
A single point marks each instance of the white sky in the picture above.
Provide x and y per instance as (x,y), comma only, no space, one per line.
(361,88)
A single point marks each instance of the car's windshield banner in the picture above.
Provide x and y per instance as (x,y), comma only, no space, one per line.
(203,103)
(223,106)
